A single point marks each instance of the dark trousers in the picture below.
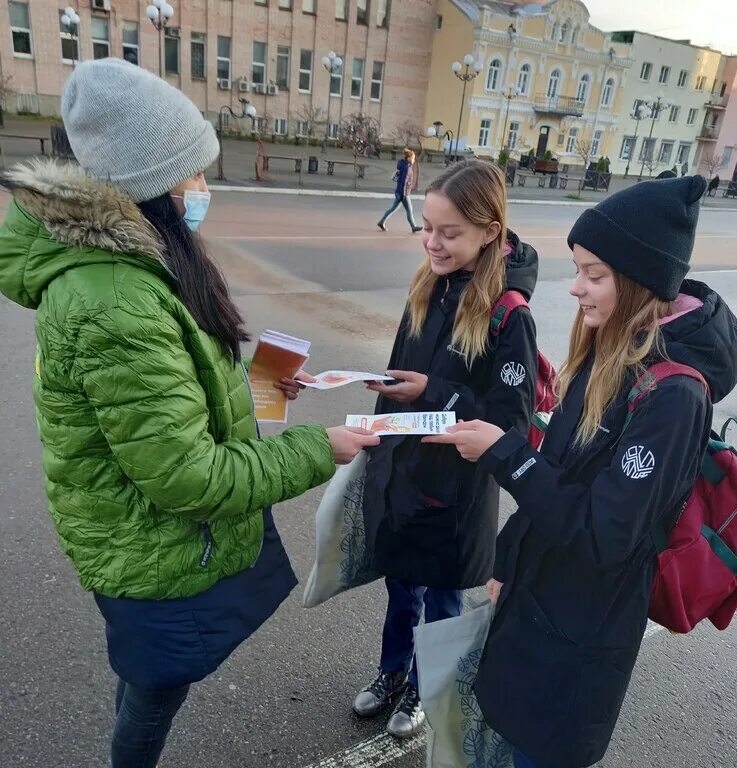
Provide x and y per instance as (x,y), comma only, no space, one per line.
(522,761)
(142,723)
(403,615)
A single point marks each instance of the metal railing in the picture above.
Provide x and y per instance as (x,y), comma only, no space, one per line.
(558,105)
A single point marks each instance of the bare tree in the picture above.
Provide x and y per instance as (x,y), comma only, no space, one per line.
(315,117)
(5,91)
(362,135)
(583,149)
(712,162)
(408,134)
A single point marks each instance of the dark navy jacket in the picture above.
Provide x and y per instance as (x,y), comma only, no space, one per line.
(577,559)
(431,516)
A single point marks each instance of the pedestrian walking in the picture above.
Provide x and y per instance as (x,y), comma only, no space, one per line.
(159,486)
(406,182)
(575,563)
(430,515)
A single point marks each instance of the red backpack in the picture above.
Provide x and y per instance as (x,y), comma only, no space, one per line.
(696,575)
(546,378)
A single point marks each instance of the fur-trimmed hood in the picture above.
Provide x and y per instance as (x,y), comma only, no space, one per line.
(60,217)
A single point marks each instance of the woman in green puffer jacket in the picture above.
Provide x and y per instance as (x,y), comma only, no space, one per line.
(159,485)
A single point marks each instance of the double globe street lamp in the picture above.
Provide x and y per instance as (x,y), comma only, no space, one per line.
(160,14)
(70,19)
(465,72)
(656,106)
(333,65)
(436,131)
(637,114)
(247,110)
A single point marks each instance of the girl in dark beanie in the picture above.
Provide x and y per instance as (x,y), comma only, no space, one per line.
(575,563)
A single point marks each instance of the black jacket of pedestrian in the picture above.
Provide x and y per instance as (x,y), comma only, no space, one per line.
(404,168)
(577,559)
(431,517)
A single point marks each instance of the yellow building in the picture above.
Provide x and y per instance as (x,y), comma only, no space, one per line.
(547,80)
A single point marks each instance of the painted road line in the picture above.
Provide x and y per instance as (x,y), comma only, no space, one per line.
(308,237)
(383,749)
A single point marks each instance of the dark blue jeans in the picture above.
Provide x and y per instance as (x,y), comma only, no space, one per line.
(400,200)
(403,615)
(522,761)
(143,720)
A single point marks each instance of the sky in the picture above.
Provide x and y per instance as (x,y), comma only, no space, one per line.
(704,22)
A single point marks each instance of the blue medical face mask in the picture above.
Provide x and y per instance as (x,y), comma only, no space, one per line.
(195,207)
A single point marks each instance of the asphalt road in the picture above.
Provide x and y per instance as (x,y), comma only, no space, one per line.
(316,267)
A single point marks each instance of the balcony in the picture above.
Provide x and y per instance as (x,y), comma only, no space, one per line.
(708,133)
(558,105)
(717,103)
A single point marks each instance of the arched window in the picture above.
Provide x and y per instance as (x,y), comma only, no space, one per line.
(523,80)
(493,76)
(565,27)
(554,84)
(554,34)
(607,94)
(583,88)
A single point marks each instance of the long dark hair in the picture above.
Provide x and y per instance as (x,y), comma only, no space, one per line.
(199,282)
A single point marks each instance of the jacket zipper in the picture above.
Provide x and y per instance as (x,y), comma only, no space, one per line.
(726,523)
(209,544)
(445,293)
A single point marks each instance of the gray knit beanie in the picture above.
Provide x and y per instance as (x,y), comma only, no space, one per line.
(129,127)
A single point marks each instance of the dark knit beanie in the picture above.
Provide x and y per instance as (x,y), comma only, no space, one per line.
(645,232)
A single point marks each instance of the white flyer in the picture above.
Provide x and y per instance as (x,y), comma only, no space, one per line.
(421,423)
(333,379)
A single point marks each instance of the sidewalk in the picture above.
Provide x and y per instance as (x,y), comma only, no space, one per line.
(239,158)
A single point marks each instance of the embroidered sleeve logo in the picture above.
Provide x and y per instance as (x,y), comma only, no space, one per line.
(638,462)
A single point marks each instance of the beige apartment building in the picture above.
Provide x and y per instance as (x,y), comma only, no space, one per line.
(220,52)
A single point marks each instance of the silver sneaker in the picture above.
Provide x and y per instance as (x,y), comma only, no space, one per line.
(375,698)
(408,717)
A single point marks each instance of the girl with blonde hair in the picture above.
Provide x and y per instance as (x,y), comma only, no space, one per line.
(575,563)
(430,516)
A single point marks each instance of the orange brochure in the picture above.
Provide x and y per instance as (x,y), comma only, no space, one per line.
(277,356)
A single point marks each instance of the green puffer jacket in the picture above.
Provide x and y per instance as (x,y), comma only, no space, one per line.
(155,476)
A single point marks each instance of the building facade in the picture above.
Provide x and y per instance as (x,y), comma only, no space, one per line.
(220,52)
(679,92)
(726,146)
(549,81)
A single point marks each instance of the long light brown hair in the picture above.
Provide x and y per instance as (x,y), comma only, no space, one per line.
(621,345)
(478,191)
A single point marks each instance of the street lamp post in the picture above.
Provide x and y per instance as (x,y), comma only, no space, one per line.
(436,130)
(465,73)
(611,55)
(656,105)
(247,110)
(637,115)
(71,20)
(511,93)
(159,14)
(332,64)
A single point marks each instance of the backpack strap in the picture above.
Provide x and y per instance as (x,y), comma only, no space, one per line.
(504,307)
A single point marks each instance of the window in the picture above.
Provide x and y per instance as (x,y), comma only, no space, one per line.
(554,33)
(258,64)
(574,36)
(513,137)
(664,75)
(639,108)
(583,88)
(438,21)
(305,71)
(682,78)
(285,5)
(20,27)
(684,150)
(727,156)
(362,12)
(283,54)
(564,32)
(261,2)
(341,9)
(572,139)
(198,43)
(493,76)
(607,93)
(223,58)
(303,128)
(554,84)
(377,80)
(100,38)
(647,150)
(171,51)
(674,114)
(700,83)
(628,148)
(715,84)
(722,90)
(383,12)
(666,152)
(692,113)
(484,133)
(523,80)
(646,70)
(69,42)
(130,42)
(333,130)
(336,81)
(357,79)
(309,6)
(280,126)
(596,143)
